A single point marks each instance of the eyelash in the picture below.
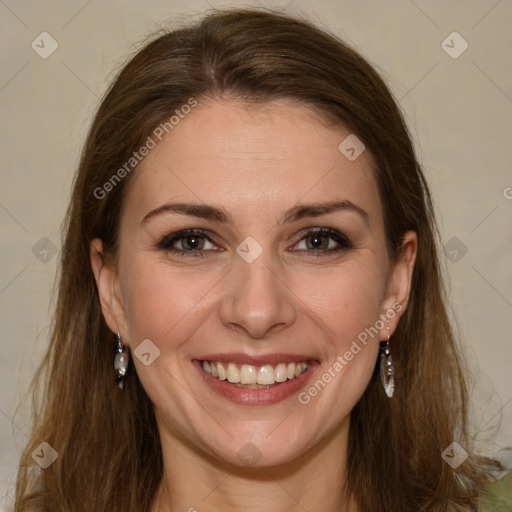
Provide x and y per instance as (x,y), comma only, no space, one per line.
(167,242)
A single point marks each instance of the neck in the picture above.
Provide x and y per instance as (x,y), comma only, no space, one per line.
(195,481)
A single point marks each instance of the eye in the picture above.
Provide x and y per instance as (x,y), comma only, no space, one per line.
(320,241)
(197,242)
(188,241)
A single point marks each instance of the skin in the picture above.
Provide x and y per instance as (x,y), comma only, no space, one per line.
(256,163)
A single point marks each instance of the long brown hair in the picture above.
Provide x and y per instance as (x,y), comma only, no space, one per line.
(109,454)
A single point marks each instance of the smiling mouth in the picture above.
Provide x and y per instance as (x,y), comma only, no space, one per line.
(252,376)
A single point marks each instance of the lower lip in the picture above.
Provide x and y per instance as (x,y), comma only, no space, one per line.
(262,396)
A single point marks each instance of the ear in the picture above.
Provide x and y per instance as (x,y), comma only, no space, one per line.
(398,287)
(109,288)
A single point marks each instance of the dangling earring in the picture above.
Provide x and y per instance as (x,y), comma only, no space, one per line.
(386,367)
(121,360)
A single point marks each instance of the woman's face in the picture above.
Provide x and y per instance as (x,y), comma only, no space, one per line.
(254,289)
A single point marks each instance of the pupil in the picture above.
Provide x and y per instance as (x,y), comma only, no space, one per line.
(316,241)
(192,242)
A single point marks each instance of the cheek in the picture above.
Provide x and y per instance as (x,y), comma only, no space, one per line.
(348,306)
(346,299)
(343,299)
(162,301)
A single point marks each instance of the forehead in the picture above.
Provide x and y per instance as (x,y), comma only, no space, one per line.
(250,158)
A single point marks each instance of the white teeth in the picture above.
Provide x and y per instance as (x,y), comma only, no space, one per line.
(248,374)
(222,372)
(253,376)
(280,371)
(233,373)
(300,369)
(266,375)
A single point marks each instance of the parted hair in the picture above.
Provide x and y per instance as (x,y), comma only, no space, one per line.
(109,453)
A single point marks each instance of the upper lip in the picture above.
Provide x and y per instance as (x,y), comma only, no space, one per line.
(271,359)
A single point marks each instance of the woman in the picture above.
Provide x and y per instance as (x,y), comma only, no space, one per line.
(252,240)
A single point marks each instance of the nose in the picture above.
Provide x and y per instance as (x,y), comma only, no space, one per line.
(256,299)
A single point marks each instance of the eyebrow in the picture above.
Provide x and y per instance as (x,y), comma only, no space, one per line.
(294,214)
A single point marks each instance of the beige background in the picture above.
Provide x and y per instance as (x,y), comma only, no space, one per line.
(459,111)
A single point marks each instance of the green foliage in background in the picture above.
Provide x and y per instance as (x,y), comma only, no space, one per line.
(498,496)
